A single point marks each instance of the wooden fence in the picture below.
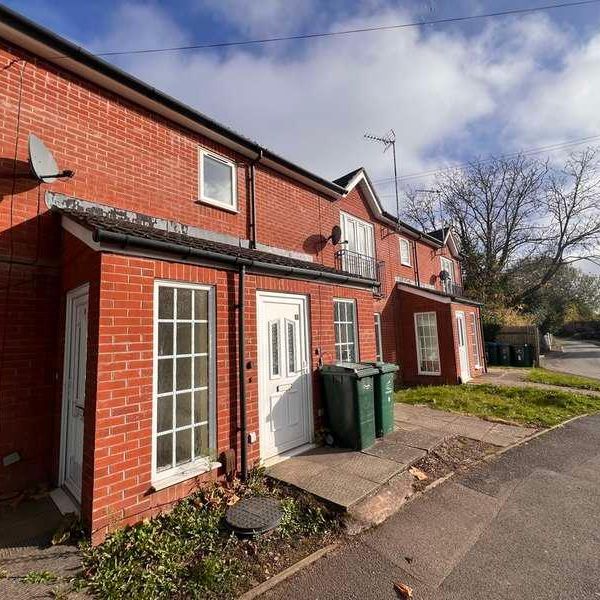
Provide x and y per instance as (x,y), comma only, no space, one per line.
(517,335)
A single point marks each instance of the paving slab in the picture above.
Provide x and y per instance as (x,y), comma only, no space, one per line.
(417,437)
(399,453)
(340,488)
(441,531)
(366,466)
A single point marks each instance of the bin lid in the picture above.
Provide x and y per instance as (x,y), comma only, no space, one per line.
(350,369)
(383,366)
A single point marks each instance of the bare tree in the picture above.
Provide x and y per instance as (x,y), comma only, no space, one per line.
(572,207)
(506,209)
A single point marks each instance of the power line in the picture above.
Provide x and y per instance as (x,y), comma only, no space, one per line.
(526,152)
(305,36)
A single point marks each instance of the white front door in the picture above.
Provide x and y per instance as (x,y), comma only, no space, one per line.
(463,354)
(74,390)
(284,379)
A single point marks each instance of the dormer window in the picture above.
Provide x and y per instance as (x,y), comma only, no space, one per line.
(405,252)
(217,181)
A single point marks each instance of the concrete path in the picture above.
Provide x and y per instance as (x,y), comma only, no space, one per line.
(578,357)
(344,477)
(514,377)
(524,525)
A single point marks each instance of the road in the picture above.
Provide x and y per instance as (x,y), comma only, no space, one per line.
(525,525)
(578,357)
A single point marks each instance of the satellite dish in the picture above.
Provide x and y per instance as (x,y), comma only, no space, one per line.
(336,235)
(43,165)
(444,275)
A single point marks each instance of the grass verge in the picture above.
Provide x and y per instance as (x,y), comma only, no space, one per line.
(530,406)
(188,553)
(563,380)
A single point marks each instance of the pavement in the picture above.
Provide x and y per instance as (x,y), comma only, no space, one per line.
(525,524)
(26,530)
(578,357)
(345,477)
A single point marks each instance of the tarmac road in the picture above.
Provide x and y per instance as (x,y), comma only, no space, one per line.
(578,357)
(525,525)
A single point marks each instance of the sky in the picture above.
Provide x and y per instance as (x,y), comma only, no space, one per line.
(451,93)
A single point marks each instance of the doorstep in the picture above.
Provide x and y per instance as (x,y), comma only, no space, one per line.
(345,477)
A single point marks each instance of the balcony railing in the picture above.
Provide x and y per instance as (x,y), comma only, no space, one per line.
(453,289)
(360,264)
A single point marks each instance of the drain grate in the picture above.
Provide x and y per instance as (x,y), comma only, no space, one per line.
(252,516)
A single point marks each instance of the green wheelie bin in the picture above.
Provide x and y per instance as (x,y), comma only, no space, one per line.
(491,350)
(349,406)
(384,397)
(518,355)
(504,355)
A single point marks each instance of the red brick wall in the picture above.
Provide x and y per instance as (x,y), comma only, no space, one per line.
(122,459)
(410,304)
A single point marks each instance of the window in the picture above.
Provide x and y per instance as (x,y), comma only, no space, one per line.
(378,341)
(344,322)
(476,349)
(358,255)
(184,420)
(405,252)
(448,266)
(217,180)
(274,341)
(428,353)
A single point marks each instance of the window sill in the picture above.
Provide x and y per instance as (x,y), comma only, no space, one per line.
(190,473)
(215,204)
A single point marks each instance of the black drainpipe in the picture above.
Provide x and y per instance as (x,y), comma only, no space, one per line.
(253,233)
(242,376)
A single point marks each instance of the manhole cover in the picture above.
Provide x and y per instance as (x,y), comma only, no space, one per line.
(254,515)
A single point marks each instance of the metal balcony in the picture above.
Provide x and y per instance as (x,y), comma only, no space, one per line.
(452,289)
(361,265)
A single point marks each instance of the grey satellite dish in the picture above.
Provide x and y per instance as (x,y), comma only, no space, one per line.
(336,235)
(444,275)
(42,162)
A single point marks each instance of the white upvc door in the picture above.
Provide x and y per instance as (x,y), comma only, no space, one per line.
(285,413)
(76,332)
(463,351)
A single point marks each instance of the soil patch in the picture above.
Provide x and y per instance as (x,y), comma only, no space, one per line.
(456,454)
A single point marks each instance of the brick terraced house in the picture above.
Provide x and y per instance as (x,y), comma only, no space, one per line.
(164,311)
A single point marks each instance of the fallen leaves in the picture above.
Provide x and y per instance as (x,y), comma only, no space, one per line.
(403,590)
(420,475)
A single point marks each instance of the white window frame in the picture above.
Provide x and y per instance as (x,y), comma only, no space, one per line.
(378,337)
(202,464)
(406,262)
(355,328)
(202,153)
(418,345)
(449,262)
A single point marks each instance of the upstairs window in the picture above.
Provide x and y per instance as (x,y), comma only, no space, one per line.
(358,253)
(405,252)
(448,266)
(217,181)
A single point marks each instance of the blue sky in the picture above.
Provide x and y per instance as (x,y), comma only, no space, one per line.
(451,92)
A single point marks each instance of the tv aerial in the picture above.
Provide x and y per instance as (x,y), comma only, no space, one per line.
(43,165)
(389,141)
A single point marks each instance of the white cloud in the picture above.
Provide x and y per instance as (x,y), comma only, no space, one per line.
(312,102)
(261,17)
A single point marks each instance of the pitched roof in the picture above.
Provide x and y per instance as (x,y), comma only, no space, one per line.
(139,233)
(43,42)
(439,234)
(344,180)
